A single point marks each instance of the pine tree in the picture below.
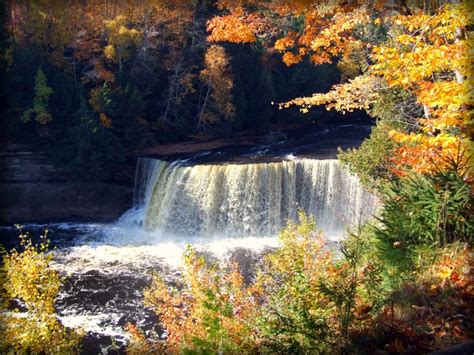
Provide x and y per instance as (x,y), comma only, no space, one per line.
(39,110)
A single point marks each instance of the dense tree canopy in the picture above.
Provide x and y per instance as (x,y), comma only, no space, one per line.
(423,51)
(173,62)
(142,72)
(92,80)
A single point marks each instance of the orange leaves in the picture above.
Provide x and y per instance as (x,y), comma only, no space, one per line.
(326,35)
(424,55)
(428,154)
(327,30)
(290,58)
(237,27)
(213,305)
(286,42)
(455,270)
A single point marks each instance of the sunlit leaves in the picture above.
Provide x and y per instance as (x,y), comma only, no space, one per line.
(358,93)
(28,277)
(217,76)
(425,55)
(235,27)
(209,313)
(120,39)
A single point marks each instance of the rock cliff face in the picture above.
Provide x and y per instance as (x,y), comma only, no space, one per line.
(33,190)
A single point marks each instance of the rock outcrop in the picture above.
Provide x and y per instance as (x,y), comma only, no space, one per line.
(34,190)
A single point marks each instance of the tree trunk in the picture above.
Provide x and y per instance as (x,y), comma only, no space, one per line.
(201,114)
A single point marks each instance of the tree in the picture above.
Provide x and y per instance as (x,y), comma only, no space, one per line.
(28,276)
(120,39)
(425,54)
(39,110)
(217,81)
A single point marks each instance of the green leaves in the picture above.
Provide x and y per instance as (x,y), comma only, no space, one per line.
(39,110)
(421,210)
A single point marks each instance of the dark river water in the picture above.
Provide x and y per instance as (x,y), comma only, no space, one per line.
(107,266)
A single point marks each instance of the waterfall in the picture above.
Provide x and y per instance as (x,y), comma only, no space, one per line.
(247,199)
(231,212)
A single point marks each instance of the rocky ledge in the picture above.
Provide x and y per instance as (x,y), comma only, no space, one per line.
(33,190)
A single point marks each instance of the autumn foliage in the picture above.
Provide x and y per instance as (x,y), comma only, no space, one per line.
(28,278)
(306,297)
(427,54)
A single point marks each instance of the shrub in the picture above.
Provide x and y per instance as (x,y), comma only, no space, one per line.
(394,109)
(28,278)
(208,313)
(421,211)
(430,310)
(305,298)
(371,160)
(314,296)
(309,298)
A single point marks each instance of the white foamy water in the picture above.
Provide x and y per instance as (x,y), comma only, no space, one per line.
(108,265)
(221,210)
(246,199)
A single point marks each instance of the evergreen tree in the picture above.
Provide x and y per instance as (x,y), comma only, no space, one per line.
(39,110)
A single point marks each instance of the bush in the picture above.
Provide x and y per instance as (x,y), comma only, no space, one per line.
(426,211)
(371,160)
(305,298)
(394,109)
(430,310)
(28,277)
(308,298)
(209,312)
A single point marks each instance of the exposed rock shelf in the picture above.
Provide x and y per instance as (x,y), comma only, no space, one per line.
(34,190)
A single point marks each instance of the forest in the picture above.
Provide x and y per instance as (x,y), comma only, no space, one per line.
(92,84)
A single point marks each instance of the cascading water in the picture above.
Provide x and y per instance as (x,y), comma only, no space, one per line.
(229,211)
(240,200)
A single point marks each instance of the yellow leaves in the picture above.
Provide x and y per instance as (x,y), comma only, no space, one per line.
(28,277)
(217,76)
(358,93)
(120,38)
(109,52)
(426,58)
(210,294)
(447,95)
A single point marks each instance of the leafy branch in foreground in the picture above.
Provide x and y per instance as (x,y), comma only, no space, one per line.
(28,279)
(304,298)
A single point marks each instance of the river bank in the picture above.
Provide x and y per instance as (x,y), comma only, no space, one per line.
(34,190)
